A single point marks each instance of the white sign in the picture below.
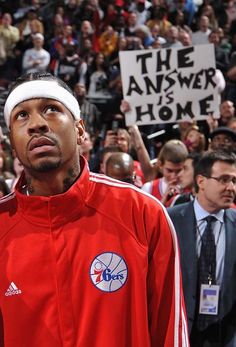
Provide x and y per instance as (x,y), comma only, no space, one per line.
(169,85)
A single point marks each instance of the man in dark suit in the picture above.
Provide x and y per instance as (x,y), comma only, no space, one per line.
(214,297)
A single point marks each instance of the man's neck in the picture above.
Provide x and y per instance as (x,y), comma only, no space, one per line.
(210,208)
(46,184)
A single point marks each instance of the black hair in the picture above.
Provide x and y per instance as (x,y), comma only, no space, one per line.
(35,76)
(207,161)
(195,157)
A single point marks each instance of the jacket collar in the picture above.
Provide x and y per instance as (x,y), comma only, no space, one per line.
(56,209)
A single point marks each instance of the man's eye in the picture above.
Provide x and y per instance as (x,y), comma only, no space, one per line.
(21,115)
(51,108)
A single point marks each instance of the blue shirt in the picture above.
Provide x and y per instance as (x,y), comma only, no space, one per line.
(219,234)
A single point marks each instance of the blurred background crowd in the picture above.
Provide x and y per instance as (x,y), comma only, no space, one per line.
(80,40)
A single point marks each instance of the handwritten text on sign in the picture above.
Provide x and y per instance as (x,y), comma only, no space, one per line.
(169,85)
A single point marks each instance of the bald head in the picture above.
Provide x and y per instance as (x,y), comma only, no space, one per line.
(120,166)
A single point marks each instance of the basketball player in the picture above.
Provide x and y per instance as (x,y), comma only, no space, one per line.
(85,261)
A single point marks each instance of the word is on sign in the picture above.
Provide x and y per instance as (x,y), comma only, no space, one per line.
(169,85)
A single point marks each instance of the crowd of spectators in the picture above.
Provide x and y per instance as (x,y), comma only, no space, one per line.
(80,40)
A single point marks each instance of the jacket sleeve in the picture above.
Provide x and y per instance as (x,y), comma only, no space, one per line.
(1,330)
(167,316)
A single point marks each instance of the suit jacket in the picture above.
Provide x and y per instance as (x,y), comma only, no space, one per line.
(183,219)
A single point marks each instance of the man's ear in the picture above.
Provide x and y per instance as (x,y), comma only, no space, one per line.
(201,181)
(80,131)
(159,166)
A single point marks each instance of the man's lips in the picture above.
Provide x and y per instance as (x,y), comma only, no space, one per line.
(229,197)
(40,142)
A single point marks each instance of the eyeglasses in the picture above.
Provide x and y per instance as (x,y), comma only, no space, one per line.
(225,180)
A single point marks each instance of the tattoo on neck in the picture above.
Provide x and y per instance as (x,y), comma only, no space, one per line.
(29,187)
(69,180)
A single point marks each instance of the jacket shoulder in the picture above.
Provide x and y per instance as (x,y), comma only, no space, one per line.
(181,208)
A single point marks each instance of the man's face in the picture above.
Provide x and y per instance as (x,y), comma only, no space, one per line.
(222,142)
(132,19)
(204,23)
(122,142)
(186,174)
(38,43)
(45,135)
(185,39)
(214,38)
(214,195)
(170,171)
(6,20)
(227,111)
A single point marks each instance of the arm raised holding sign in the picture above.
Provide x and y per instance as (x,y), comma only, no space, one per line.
(149,170)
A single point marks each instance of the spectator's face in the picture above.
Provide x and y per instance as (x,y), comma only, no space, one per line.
(155,30)
(193,139)
(6,19)
(38,43)
(87,44)
(186,174)
(45,136)
(80,90)
(58,20)
(170,171)
(204,23)
(227,111)
(68,30)
(222,142)
(214,195)
(173,34)
(208,11)
(60,10)
(132,19)
(87,145)
(214,38)
(86,27)
(122,43)
(100,59)
(220,33)
(185,39)
(122,141)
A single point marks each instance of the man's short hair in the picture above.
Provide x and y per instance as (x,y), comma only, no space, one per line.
(174,151)
(205,164)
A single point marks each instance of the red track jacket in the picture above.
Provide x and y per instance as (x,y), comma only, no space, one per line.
(97,266)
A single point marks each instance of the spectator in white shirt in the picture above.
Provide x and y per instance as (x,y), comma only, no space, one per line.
(36,59)
(201,36)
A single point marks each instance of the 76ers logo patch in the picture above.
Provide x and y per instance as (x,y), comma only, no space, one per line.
(108,272)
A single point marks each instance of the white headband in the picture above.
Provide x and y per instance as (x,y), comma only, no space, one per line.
(40,89)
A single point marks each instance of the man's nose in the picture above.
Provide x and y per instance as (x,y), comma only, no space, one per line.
(37,124)
(231,186)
